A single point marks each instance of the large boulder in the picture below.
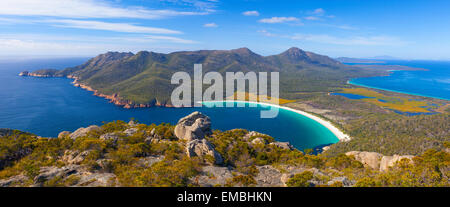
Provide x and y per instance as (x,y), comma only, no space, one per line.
(389,161)
(194,126)
(201,148)
(84,131)
(368,159)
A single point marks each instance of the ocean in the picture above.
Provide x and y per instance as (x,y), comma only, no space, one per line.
(47,106)
(433,83)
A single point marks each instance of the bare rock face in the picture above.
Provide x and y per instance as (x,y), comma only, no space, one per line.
(283,145)
(74,157)
(14,180)
(258,140)
(252,134)
(88,179)
(194,126)
(63,134)
(48,173)
(377,161)
(389,161)
(370,159)
(201,148)
(344,180)
(84,131)
(268,176)
(110,136)
(211,176)
(131,131)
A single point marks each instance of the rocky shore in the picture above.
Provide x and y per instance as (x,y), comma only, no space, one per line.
(113,98)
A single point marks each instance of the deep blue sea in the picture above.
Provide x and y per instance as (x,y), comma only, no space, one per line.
(432,83)
(47,106)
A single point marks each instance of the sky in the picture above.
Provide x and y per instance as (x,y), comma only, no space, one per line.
(407,29)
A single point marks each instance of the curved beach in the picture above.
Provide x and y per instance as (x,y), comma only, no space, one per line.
(338,133)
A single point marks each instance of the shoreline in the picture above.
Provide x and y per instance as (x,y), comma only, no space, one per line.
(337,132)
(395,91)
(114,98)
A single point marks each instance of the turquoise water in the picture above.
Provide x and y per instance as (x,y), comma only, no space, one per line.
(47,106)
(433,83)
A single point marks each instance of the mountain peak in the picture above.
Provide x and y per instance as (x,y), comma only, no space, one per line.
(243,51)
(294,51)
(295,54)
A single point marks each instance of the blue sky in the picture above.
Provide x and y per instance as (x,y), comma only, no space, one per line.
(407,29)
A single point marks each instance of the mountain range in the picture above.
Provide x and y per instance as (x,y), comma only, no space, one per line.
(143,79)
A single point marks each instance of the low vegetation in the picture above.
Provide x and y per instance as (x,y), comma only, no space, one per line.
(129,158)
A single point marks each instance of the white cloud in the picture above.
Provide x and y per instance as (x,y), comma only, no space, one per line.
(37,45)
(210,25)
(312,18)
(358,40)
(274,20)
(83,9)
(250,13)
(169,39)
(116,27)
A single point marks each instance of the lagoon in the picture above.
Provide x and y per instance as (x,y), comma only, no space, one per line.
(434,83)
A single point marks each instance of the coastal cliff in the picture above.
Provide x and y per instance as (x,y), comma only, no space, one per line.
(191,154)
(114,98)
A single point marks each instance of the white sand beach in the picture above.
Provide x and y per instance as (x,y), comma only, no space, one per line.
(338,133)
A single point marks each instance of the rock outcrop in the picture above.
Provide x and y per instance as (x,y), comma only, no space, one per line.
(110,136)
(49,173)
(212,176)
(283,145)
(389,161)
(130,132)
(74,157)
(193,129)
(201,148)
(369,159)
(377,161)
(63,134)
(194,126)
(84,131)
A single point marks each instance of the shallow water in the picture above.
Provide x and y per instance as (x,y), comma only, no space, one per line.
(433,83)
